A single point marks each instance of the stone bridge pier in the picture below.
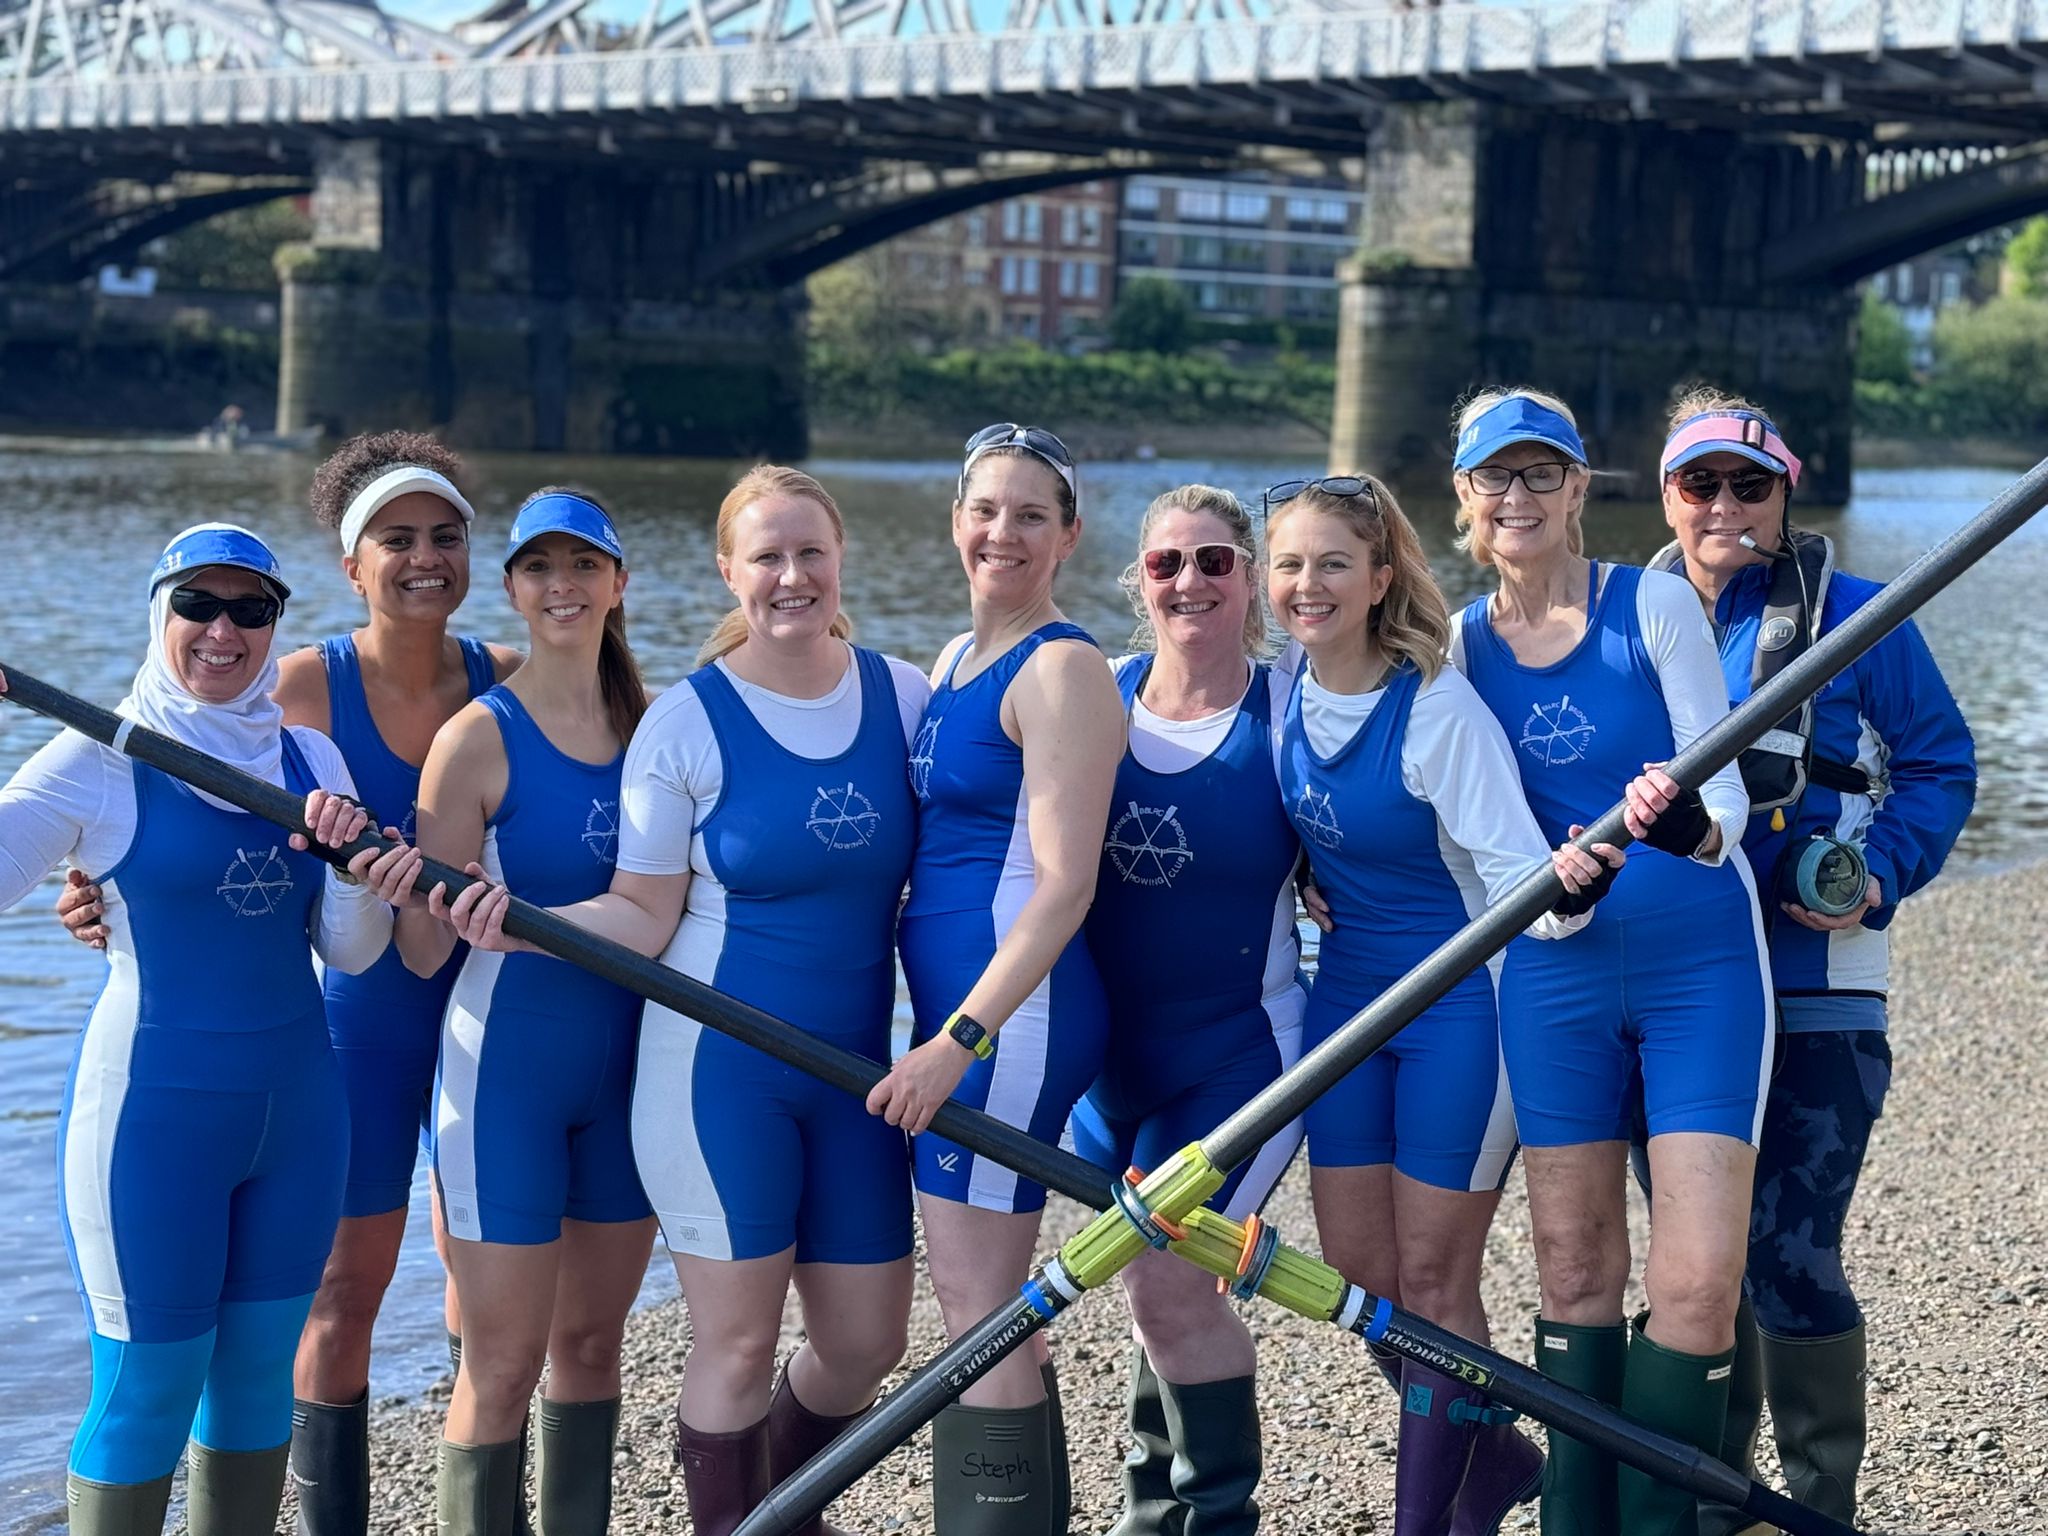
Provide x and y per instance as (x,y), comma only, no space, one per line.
(1606,262)
(521,305)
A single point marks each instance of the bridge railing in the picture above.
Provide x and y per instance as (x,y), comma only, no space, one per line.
(1365,44)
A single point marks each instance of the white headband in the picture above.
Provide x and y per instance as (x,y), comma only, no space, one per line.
(387,488)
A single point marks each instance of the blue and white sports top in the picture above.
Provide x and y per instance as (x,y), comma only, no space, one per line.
(553,840)
(1406,801)
(1643,683)
(389,786)
(1198,865)
(804,852)
(973,836)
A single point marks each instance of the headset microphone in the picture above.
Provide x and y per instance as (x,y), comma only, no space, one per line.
(1757,549)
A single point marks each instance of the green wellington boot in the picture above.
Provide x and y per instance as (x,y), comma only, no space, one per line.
(992,1471)
(1062,1471)
(1217,1454)
(1150,1509)
(116,1509)
(1686,1396)
(476,1489)
(1578,1482)
(1739,1429)
(233,1493)
(1817,1405)
(573,1467)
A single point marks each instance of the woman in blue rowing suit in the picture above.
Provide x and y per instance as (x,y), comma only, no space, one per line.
(1198,864)
(1892,769)
(767,828)
(204,1136)
(1012,767)
(1596,671)
(1404,792)
(533,1157)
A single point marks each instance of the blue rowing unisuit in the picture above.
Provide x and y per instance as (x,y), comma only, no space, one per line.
(1670,971)
(1192,931)
(1427,1102)
(532,1120)
(385,1023)
(746,1156)
(971,877)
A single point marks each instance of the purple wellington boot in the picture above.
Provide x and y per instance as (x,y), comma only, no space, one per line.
(1506,1470)
(1439,1418)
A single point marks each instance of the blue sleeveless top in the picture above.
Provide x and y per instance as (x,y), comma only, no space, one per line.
(1192,867)
(969,780)
(812,853)
(554,839)
(1373,845)
(386,1004)
(1583,727)
(219,919)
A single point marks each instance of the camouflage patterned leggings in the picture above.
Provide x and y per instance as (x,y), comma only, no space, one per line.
(1827,1092)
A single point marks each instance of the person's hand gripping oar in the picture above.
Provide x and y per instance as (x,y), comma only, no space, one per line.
(1161,1209)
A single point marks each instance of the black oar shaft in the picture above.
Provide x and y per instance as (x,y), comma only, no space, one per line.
(1244,1132)
(856,1074)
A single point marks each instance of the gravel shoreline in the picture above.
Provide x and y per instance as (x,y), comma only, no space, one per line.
(1949,1248)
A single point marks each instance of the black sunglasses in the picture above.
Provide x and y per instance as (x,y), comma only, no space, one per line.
(1701,486)
(1341,486)
(1037,439)
(203,607)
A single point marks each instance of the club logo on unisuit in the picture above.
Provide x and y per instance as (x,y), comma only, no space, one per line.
(601,831)
(257,882)
(1556,734)
(844,817)
(1317,818)
(1149,846)
(921,757)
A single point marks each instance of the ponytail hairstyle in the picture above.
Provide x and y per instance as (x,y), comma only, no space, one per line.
(619,682)
(1470,409)
(1230,512)
(757,484)
(1412,622)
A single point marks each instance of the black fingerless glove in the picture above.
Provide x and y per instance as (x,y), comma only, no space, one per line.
(1682,829)
(1572,903)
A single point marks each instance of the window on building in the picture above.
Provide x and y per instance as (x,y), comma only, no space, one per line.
(1244,298)
(1246,207)
(1034,220)
(1009,282)
(1312,260)
(1245,255)
(1070,280)
(1022,322)
(1091,280)
(1333,212)
(1201,250)
(1198,203)
(1301,210)
(1141,250)
(973,275)
(1070,225)
(1013,220)
(1141,197)
(1951,287)
(1312,303)
(1091,226)
(977,229)
(1905,285)
(1209,296)
(1880,285)
(1027,275)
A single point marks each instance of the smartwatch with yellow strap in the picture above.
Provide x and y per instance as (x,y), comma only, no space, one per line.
(970,1034)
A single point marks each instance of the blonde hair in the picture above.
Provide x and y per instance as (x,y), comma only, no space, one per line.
(757,484)
(1229,511)
(1469,410)
(1696,398)
(1412,622)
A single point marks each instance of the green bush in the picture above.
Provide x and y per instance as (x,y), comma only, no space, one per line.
(1884,351)
(1152,314)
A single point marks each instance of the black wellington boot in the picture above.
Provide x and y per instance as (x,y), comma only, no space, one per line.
(233,1493)
(1817,1404)
(992,1471)
(573,1467)
(331,1467)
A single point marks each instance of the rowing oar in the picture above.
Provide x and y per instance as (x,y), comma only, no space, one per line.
(1164,1205)
(856,1074)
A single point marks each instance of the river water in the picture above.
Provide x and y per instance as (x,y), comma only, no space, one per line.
(84,529)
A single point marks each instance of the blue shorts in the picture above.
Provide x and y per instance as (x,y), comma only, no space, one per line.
(1120,1124)
(744,1157)
(210,1171)
(1680,993)
(534,1122)
(1433,1101)
(1046,1055)
(390,1096)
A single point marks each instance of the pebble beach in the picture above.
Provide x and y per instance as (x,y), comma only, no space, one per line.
(1949,1250)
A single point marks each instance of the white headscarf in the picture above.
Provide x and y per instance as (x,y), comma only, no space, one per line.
(246,732)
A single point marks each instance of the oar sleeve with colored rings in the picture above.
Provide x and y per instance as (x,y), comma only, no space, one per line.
(982,1134)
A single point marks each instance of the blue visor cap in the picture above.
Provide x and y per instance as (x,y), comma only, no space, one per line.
(1517,419)
(218,544)
(563,512)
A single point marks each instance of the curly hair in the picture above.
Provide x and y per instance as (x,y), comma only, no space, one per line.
(366,456)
